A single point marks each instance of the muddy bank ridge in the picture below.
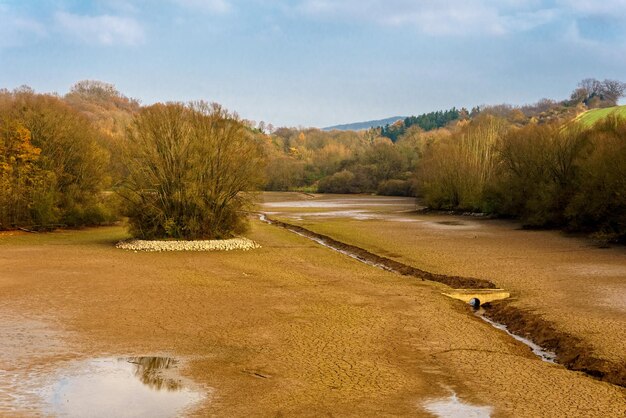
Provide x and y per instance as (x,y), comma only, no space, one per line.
(570,351)
(455,282)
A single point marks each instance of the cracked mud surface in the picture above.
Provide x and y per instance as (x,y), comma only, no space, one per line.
(289,329)
(572,352)
(455,282)
(571,292)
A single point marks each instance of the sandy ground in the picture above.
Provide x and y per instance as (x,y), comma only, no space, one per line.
(288,329)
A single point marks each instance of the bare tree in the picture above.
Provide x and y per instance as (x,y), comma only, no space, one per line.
(613,90)
(596,93)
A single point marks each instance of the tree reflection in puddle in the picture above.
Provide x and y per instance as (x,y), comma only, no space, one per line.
(149,370)
(120,387)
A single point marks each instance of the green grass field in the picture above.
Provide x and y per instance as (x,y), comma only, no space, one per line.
(590,117)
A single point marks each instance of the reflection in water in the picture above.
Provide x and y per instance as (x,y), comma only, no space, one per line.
(450,223)
(120,387)
(407,202)
(149,371)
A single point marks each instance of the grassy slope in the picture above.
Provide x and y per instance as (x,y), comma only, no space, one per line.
(592,116)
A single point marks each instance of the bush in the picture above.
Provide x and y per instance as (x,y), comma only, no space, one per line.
(341,182)
(395,188)
(551,175)
(455,173)
(189,165)
(539,174)
(600,202)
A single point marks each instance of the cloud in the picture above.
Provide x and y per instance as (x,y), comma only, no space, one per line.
(449,21)
(596,24)
(101,30)
(456,17)
(121,6)
(16,30)
(212,6)
(461,17)
(604,8)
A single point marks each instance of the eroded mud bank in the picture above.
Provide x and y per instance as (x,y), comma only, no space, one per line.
(571,352)
(455,282)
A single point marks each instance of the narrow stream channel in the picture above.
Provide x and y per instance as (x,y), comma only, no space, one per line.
(540,352)
(543,354)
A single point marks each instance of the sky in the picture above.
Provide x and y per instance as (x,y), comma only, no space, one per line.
(316,62)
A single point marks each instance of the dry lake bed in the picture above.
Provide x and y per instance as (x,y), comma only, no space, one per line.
(295,328)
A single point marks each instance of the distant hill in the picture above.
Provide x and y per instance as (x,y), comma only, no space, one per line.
(590,117)
(364,125)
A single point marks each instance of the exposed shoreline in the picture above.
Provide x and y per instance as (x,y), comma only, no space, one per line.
(570,351)
(455,282)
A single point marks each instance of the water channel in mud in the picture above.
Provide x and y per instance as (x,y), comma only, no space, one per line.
(543,354)
(540,352)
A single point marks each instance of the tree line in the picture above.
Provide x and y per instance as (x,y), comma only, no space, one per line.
(559,174)
(426,122)
(92,156)
(185,170)
(53,166)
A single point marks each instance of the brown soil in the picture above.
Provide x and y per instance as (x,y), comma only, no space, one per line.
(571,352)
(456,282)
(290,329)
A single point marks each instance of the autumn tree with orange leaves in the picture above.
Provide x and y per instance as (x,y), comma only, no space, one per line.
(23,183)
(52,166)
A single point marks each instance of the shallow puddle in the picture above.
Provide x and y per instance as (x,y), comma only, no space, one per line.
(354,214)
(450,223)
(343,203)
(452,407)
(120,387)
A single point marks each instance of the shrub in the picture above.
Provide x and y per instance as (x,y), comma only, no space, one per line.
(600,202)
(188,166)
(341,182)
(395,188)
(455,173)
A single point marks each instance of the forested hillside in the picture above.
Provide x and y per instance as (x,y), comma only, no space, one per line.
(426,122)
